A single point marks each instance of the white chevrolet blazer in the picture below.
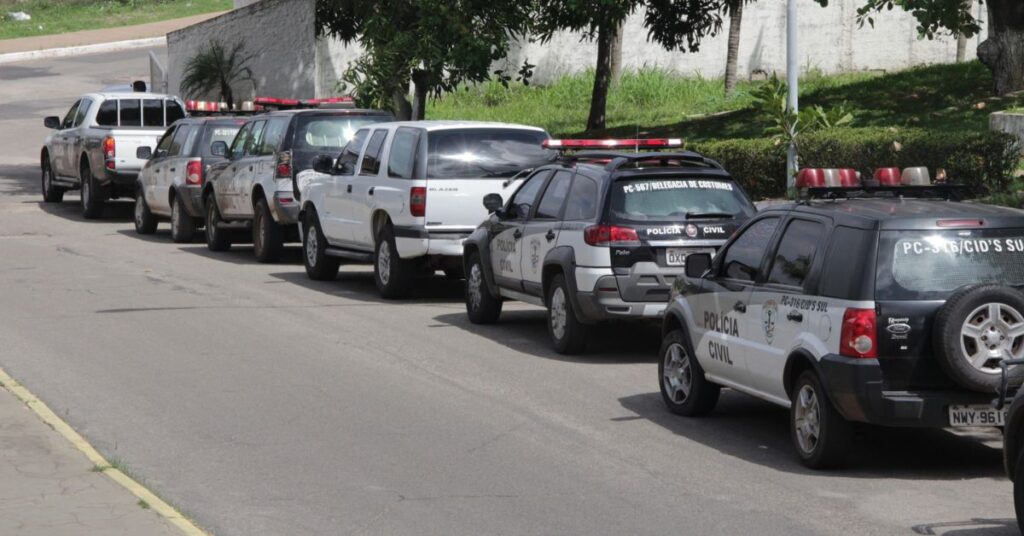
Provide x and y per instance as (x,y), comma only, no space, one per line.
(405,195)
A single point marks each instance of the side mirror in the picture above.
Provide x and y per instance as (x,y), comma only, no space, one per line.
(323,164)
(493,202)
(697,264)
(347,168)
(219,148)
(143,153)
(51,122)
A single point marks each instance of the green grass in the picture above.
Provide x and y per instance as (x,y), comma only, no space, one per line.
(655,103)
(62,16)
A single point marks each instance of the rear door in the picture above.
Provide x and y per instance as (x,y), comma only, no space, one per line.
(227,194)
(540,235)
(507,232)
(174,169)
(252,167)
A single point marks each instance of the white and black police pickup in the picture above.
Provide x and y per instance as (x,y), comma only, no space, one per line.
(600,235)
(890,305)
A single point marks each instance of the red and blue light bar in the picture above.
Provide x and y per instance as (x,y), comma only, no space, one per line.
(638,143)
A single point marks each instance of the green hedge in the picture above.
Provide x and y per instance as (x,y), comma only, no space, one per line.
(983,161)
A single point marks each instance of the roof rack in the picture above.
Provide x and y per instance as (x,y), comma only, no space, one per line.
(948,191)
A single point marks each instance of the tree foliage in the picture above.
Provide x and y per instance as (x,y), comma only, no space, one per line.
(216,68)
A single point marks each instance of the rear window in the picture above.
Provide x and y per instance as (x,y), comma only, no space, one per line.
(136,112)
(923,265)
(484,152)
(219,132)
(329,133)
(671,199)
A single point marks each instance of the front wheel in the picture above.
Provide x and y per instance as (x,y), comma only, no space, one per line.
(481,306)
(267,235)
(319,265)
(216,239)
(145,221)
(183,226)
(684,388)
(820,434)
(392,273)
(51,192)
(568,334)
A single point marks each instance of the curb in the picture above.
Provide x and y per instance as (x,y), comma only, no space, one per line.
(47,415)
(12,57)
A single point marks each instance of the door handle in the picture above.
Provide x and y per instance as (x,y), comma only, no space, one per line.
(551,235)
(172,170)
(250,168)
(517,234)
(370,191)
(349,189)
(739,307)
(795,316)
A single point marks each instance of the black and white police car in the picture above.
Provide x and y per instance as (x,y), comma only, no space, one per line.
(891,305)
(600,234)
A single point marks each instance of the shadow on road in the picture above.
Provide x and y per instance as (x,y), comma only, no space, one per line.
(240,252)
(359,286)
(21,179)
(758,432)
(113,211)
(973,527)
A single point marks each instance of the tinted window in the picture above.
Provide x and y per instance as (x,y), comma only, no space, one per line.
(795,253)
(255,138)
(241,140)
(551,203)
(743,258)
(850,251)
(351,152)
(180,137)
(582,203)
(484,152)
(524,199)
(667,199)
(371,157)
(402,160)
(69,119)
(107,114)
(131,113)
(153,113)
(174,112)
(215,132)
(327,133)
(163,147)
(272,135)
(83,109)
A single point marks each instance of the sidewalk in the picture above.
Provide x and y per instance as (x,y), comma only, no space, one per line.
(105,35)
(48,488)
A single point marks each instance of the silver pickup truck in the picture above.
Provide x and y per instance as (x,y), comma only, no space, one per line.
(93,147)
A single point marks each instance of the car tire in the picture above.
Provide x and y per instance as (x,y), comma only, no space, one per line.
(1018,491)
(978,326)
(183,226)
(51,192)
(820,434)
(216,239)
(145,221)
(481,306)
(319,265)
(92,195)
(684,389)
(267,235)
(568,334)
(392,274)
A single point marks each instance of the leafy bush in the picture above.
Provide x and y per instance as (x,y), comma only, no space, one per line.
(984,161)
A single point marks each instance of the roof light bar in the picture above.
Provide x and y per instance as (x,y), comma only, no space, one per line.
(649,143)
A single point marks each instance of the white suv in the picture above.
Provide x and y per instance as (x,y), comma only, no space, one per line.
(405,195)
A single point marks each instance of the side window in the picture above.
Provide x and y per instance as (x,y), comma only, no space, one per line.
(846,261)
(241,139)
(69,119)
(273,133)
(255,137)
(107,114)
(178,143)
(163,148)
(83,109)
(174,111)
(371,157)
(795,253)
(350,154)
(153,113)
(525,198)
(582,203)
(131,113)
(402,160)
(550,206)
(744,256)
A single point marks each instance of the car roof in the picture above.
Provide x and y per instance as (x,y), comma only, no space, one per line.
(903,213)
(435,125)
(130,95)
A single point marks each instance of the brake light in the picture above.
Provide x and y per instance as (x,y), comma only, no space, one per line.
(859,336)
(960,223)
(194,172)
(610,235)
(108,148)
(284,165)
(418,201)
(648,143)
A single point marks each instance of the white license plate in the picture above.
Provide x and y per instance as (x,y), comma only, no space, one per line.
(976,416)
(676,256)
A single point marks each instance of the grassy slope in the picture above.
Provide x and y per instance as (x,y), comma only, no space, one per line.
(655,103)
(56,16)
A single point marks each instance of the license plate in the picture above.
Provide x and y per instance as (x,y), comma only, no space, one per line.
(976,416)
(676,256)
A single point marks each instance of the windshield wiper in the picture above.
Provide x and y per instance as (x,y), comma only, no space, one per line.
(692,215)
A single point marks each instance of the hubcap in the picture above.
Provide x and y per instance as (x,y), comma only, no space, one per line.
(384,262)
(311,246)
(807,419)
(992,332)
(677,375)
(558,313)
(474,287)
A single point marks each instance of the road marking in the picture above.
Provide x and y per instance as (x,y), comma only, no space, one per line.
(49,417)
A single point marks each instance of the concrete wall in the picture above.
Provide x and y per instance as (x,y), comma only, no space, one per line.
(1009,122)
(279,32)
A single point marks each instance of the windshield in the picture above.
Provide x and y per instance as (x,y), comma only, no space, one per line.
(329,133)
(922,265)
(484,152)
(672,199)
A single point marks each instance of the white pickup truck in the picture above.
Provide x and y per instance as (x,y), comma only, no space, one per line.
(93,147)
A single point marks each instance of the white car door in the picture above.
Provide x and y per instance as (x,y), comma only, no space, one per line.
(226,185)
(540,234)
(156,170)
(336,213)
(506,242)
(59,144)
(368,192)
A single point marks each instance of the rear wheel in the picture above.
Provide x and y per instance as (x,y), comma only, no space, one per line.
(684,388)
(568,334)
(92,194)
(183,226)
(216,239)
(145,221)
(319,265)
(392,273)
(267,235)
(1018,491)
(481,306)
(820,434)
(51,192)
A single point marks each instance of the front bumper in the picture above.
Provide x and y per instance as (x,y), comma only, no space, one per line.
(857,390)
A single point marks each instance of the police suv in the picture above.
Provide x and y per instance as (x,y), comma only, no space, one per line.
(890,305)
(599,235)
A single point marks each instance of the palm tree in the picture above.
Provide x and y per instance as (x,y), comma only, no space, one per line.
(217,68)
(735,11)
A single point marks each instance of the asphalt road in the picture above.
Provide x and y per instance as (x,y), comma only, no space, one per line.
(260,402)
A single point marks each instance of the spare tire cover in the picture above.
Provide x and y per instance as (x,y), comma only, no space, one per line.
(979,326)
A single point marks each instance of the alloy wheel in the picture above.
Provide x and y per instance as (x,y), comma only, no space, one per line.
(807,419)
(677,374)
(992,332)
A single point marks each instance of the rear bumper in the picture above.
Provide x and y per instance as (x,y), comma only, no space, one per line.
(412,242)
(598,306)
(119,177)
(857,390)
(191,198)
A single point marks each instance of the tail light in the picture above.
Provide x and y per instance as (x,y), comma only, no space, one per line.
(194,172)
(610,235)
(860,333)
(418,201)
(284,165)
(109,152)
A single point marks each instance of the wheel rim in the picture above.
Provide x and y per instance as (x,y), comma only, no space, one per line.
(384,262)
(138,210)
(992,332)
(558,313)
(807,419)
(677,375)
(311,246)
(475,287)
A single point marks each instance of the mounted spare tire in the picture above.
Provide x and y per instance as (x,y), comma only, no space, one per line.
(979,326)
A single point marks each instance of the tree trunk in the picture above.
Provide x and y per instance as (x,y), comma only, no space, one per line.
(732,56)
(602,77)
(617,53)
(420,86)
(1003,51)
(961,39)
(227,95)
(400,105)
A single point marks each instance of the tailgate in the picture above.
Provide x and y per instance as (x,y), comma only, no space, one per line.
(125,144)
(458,204)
